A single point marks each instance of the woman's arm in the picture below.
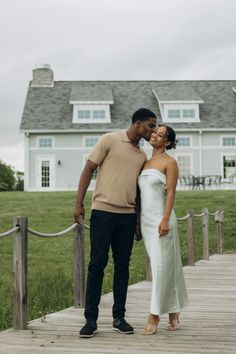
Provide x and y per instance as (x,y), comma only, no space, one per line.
(172,174)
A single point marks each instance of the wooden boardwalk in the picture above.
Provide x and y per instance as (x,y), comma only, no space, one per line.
(208,324)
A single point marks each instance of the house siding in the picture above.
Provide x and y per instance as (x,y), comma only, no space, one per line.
(69,150)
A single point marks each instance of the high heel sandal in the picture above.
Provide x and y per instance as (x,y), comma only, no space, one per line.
(150,328)
(173,324)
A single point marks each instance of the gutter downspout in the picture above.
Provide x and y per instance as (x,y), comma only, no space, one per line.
(26,164)
(200,152)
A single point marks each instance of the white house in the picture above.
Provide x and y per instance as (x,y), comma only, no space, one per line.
(62,120)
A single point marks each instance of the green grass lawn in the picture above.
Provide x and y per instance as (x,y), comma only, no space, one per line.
(50,260)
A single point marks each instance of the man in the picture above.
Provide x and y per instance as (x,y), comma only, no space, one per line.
(113,218)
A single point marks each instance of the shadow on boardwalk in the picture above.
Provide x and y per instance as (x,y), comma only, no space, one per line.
(208,324)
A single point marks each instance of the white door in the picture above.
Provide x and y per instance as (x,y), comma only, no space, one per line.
(45,173)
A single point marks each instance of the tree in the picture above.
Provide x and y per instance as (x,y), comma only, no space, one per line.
(19,181)
(7,177)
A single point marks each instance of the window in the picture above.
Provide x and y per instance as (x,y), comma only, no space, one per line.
(184,163)
(183,141)
(188,113)
(45,174)
(228,141)
(90,141)
(84,114)
(91,113)
(174,113)
(229,165)
(99,114)
(180,112)
(45,142)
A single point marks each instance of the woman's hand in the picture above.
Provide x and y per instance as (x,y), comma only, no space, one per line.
(163,228)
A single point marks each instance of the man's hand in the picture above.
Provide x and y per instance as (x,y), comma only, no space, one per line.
(79,214)
(138,235)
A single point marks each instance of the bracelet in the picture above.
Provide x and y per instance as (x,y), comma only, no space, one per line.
(79,205)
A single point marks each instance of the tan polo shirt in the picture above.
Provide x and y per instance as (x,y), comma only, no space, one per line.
(120,164)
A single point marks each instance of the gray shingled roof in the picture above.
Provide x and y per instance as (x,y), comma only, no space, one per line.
(91,93)
(49,108)
(177,91)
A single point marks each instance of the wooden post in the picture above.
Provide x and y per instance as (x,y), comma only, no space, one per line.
(20,270)
(191,243)
(148,269)
(205,234)
(79,266)
(219,219)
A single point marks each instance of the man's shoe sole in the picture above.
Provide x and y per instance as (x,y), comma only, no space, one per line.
(117,329)
(88,335)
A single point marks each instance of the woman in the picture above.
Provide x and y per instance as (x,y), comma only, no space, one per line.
(157,184)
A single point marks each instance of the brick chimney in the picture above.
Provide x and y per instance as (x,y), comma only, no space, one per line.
(42,76)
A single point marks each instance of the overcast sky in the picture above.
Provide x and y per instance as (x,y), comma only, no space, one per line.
(108,40)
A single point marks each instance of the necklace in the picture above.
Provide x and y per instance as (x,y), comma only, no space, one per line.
(157,156)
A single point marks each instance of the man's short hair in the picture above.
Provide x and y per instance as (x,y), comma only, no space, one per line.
(142,114)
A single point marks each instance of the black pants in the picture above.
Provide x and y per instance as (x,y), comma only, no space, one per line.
(115,230)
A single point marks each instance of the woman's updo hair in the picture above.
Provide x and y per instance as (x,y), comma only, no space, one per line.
(170,134)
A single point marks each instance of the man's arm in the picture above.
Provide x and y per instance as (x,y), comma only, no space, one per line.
(85,178)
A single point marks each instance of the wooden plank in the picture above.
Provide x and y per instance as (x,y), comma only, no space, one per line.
(208,324)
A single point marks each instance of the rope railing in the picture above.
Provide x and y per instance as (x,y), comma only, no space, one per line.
(57,234)
(40,234)
(199,215)
(9,232)
(20,233)
(184,217)
(217,212)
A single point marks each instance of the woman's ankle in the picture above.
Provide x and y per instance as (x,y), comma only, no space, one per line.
(153,319)
(173,317)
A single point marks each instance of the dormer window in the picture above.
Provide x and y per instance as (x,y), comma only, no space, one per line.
(91,113)
(178,102)
(91,103)
(180,112)
(188,113)
(174,113)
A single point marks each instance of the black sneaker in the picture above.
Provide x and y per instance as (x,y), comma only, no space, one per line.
(120,325)
(89,329)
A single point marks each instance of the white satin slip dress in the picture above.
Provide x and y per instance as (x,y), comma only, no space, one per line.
(169,293)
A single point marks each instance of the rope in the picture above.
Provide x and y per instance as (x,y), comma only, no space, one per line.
(57,234)
(199,214)
(4,234)
(184,217)
(217,212)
